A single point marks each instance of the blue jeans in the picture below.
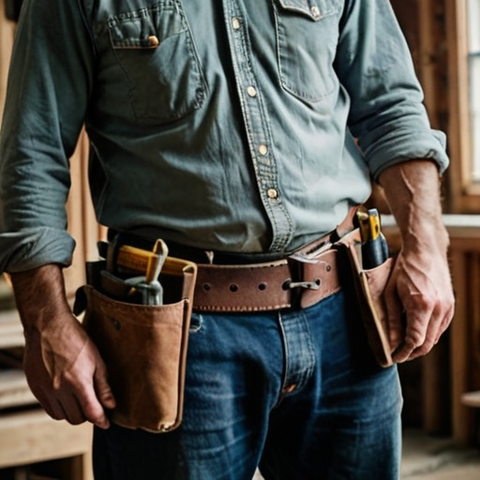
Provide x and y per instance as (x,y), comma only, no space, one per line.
(296,393)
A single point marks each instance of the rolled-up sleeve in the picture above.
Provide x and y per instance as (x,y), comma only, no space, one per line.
(48,89)
(375,67)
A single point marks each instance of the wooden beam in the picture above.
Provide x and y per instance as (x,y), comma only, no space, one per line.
(31,436)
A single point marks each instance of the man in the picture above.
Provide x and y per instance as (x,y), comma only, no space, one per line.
(240,126)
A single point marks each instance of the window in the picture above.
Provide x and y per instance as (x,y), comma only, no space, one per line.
(474,83)
(462,18)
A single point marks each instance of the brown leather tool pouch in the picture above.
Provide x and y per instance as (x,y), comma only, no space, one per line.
(144,348)
(369,286)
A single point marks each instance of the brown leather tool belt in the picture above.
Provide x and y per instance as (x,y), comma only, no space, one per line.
(229,282)
(264,286)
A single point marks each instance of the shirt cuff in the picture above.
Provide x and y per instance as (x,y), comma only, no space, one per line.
(429,145)
(32,248)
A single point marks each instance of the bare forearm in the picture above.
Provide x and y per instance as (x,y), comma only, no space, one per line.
(421,278)
(63,367)
(412,190)
(40,296)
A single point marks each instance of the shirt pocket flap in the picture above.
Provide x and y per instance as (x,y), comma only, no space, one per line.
(145,28)
(313,9)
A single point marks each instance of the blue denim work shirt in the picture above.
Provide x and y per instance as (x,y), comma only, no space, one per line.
(234,125)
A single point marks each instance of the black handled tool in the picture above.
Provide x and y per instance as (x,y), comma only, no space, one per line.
(374,245)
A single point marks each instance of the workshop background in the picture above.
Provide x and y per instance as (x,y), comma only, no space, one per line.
(442,390)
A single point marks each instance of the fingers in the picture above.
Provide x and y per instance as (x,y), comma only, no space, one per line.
(105,398)
(61,407)
(95,398)
(433,336)
(79,407)
(72,411)
(76,394)
(105,395)
(93,411)
(424,326)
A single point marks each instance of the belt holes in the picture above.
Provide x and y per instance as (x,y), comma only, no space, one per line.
(286,284)
(262,286)
(207,287)
(233,287)
(318,281)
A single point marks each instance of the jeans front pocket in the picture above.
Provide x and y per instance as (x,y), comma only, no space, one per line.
(307,34)
(155,49)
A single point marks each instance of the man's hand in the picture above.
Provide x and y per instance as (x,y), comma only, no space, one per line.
(419,296)
(63,367)
(421,281)
(66,374)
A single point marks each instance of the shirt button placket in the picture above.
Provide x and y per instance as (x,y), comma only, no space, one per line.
(256,121)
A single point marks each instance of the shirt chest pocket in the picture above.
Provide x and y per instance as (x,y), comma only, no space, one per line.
(155,50)
(307,34)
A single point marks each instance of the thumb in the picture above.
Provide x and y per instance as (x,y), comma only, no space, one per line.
(102,387)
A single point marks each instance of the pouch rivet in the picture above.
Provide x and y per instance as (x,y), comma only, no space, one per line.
(116,325)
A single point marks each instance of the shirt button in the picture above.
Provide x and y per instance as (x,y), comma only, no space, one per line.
(263,150)
(153,41)
(272,193)
(315,12)
(236,23)
(252,92)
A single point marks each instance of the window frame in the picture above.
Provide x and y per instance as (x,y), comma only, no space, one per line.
(464,191)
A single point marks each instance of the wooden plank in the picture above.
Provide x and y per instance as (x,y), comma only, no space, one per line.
(462,418)
(31,436)
(459,132)
(11,331)
(80,467)
(7,30)
(471,399)
(14,389)
(75,274)
(474,320)
(91,231)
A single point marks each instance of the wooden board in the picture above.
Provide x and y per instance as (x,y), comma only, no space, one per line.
(14,389)
(11,331)
(32,436)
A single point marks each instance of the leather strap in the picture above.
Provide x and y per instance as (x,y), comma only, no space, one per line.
(299,279)
(266,286)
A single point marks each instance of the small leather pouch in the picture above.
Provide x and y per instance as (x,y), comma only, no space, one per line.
(369,286)
(144,348)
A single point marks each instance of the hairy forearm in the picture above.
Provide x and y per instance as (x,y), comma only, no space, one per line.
(412,190)
(40,296)
(63,367)
(419,296)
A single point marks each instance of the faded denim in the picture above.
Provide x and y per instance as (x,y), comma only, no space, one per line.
(296,392)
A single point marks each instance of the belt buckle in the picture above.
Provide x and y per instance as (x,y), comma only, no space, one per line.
(297,283)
